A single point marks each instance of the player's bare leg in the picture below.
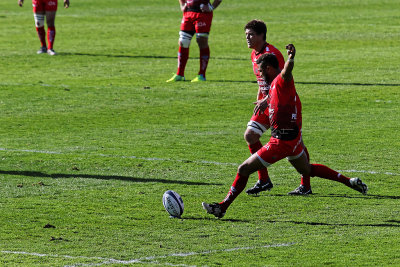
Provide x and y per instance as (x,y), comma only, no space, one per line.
(303,166)
(249,166)
(305,184)
(51,31)
(39,24)
(264,182)
(183,56)
(202,41)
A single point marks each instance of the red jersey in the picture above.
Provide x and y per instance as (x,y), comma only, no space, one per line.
(284,109)
(263,86)
(194,5)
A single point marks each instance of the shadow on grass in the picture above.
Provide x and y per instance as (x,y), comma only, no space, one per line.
(318,83)
(368,196)
(103,177)
(390,223)
(314,195)
(213,219)
(139,56)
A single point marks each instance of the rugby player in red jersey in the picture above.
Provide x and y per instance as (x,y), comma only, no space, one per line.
(197,18)
(256,37)
(256,32)
(45,9)
(286,139)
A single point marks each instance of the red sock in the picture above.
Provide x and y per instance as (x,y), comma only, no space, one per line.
(183,56)
(42,36)
(262,173)
(204,57)
(51,35)
(327,173)
(305,180)
(237,187)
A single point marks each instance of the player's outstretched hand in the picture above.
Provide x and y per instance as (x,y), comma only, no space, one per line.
(291,51)
(66,3)
(20,2)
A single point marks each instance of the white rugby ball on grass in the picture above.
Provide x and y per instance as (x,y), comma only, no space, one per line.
(173,203)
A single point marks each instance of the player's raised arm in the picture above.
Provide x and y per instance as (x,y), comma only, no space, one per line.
(183,5)
(287,69)
(216,3)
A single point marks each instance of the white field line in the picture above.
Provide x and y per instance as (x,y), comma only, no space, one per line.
(174,160)
(146,260)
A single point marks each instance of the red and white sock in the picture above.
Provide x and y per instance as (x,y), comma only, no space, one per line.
(204,57)
(263,175)
(42,36)
(237,187)
(51,35)
(327,173)
(183,56)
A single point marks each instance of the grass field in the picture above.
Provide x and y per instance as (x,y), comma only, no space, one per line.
(90,139)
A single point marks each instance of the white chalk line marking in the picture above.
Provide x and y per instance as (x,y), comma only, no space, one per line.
(174,160)
(146,260)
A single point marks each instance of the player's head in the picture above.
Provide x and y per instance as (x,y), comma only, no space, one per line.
(268,66)
(258,26)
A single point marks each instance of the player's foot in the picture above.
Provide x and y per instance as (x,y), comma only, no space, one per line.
(259,187)
(51,52)
(176,78)
(199,78)
(301,190)
(42,50)
(358,185)
(214,209)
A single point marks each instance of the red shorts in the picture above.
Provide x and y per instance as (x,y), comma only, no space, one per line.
(44,5)
(196,21)
(277,149)
(263,118)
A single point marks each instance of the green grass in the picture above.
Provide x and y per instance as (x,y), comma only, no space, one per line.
(91,138)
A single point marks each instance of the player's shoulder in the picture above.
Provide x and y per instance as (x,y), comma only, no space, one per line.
(270,48)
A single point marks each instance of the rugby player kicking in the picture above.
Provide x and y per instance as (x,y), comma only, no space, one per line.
(286,139)
(256,32)
(45,9)
(197,18)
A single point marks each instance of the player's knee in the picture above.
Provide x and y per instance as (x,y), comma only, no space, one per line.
(251,137)
(202,39)
(244,169)
(184,39)
(39,20)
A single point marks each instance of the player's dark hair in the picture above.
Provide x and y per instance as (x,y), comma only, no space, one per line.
(258,26)
(268,59)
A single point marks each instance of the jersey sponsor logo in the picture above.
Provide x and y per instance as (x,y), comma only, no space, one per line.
(294,116)
(201,24)
(52,3)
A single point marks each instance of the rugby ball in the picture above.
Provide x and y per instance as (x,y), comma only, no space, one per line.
(173,203)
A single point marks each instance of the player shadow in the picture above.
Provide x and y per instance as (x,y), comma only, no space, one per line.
(314,195)
(113,56)
(103,177)
(136,56)
(389,223)
(317,83)
(368,196)
(213,219)
(354,84)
